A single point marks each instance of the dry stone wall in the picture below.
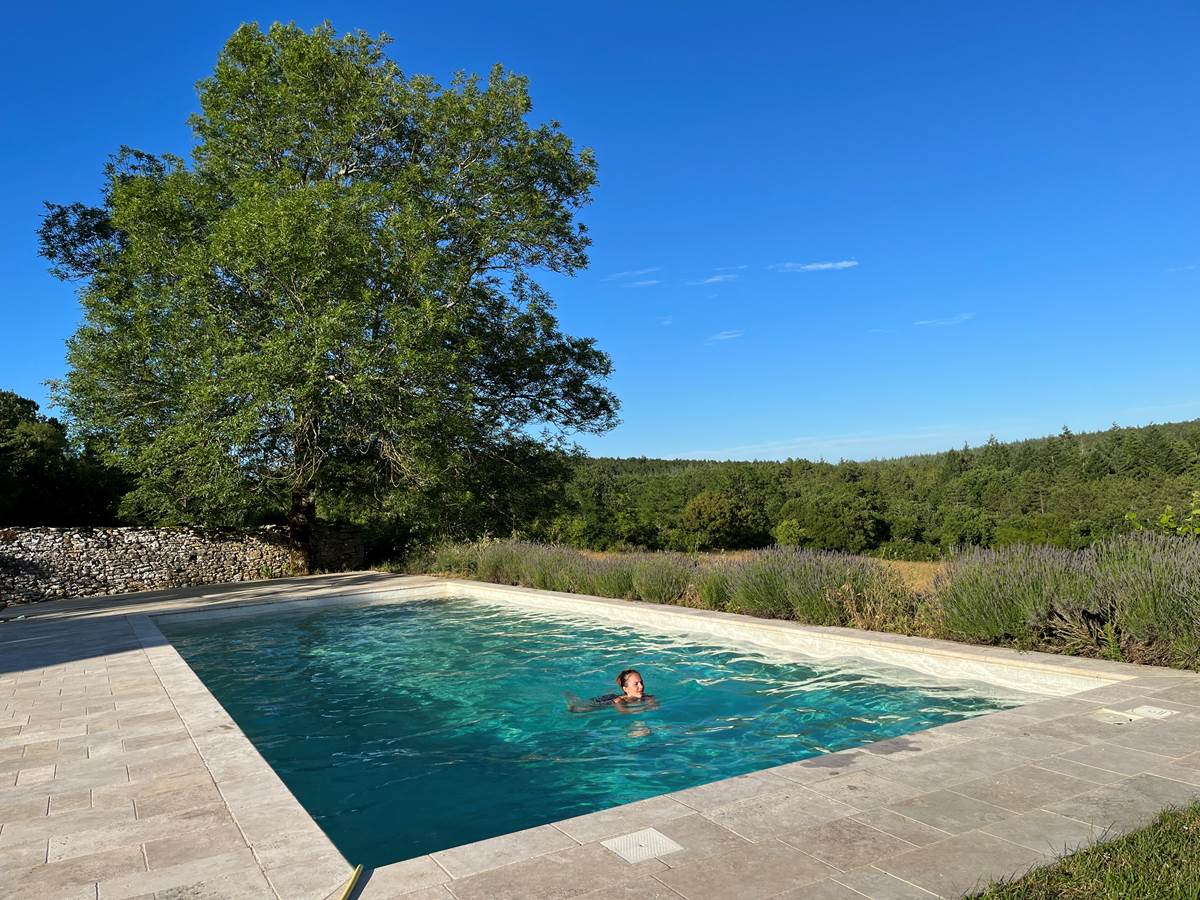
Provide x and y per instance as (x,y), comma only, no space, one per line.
(49,563)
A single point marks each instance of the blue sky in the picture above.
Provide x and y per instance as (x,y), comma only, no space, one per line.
(821,230)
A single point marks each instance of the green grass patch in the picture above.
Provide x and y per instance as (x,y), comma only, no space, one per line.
(1161,862)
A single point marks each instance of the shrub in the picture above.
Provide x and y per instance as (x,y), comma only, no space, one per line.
(661,577)
(789,533)
(611,577)
(1019,594)
(458,559)
(713,584)
(818,588)
(1151,584)
(501,562)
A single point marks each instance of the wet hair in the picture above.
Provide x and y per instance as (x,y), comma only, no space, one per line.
(625,674)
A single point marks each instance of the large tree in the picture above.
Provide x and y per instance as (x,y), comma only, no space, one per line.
(337,292)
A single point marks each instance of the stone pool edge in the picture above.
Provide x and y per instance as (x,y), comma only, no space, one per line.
(290,846)
(742,824)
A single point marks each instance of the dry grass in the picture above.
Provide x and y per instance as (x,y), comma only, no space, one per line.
(917,576)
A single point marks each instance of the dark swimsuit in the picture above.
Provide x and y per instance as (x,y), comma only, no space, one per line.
(607,698)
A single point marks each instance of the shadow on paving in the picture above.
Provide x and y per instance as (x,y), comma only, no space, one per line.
(54,632)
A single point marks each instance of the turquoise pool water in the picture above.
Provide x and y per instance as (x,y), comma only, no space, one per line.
(412,727)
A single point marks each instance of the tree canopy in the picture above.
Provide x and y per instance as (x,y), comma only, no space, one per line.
(43,480)
(333,303)
(1068,490)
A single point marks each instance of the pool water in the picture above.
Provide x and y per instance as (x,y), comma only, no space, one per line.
(411,727)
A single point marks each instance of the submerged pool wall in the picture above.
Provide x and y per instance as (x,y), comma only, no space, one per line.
(1010,669)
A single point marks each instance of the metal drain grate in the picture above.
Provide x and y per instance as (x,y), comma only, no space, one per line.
(641,845)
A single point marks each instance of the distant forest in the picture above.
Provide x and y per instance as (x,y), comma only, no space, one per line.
(1067,490)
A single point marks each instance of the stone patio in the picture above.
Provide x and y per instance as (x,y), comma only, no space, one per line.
(121,776)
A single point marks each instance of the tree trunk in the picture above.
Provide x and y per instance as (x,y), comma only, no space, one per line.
(302,519)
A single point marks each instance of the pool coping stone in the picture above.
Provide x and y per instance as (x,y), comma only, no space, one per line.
(109,743)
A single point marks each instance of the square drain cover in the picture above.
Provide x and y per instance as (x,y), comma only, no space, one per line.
(1152,712)
(1114,717)
(641,845)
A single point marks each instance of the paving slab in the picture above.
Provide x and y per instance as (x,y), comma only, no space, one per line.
(1024,788)
(493,853)
(404,878)
(777,813)
(555,876)
(950,811)
(846,843)
(1046,832)
(879,885)
(961,864)
(1127,805)
(758,870)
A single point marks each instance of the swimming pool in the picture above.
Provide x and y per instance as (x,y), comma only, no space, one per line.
(410,727)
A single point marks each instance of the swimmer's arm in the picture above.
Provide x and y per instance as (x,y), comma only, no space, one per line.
(577,704)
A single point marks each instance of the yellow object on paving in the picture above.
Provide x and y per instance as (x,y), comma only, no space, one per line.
(350,885)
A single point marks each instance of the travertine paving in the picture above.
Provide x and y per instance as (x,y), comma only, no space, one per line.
(120,776)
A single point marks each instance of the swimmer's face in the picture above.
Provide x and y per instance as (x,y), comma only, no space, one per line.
(633,686)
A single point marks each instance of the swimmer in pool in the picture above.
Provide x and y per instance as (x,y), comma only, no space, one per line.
(633,691)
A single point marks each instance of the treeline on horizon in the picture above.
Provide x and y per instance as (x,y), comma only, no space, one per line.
(1068,490)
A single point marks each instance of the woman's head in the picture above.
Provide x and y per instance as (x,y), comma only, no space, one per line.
(630,681)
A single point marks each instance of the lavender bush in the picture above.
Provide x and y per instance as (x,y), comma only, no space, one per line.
(1151,582)
(1017,594)
(818,588)
(662,577)
(713,584)
(1135,597)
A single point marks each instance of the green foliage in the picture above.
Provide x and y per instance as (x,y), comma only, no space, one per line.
(721,519)
(1133,597)
(907,550)
(790,533)
(333,308)
(713,583)
(43,479)
(662,578)
(1014,594)
(1150,587)
(1068,491)
(1170,523)
(819,589)
(612,578)
(500,562)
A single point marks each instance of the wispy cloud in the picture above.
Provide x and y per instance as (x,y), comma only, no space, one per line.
(725,336)
(949,320)
(730,268)
(640,284)
(859,445)
(634,273)
(715,279)
(666,320)
(813,266)
(1182,268)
